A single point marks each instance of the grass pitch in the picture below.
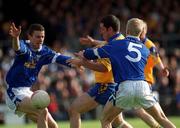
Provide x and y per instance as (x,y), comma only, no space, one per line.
(135,122)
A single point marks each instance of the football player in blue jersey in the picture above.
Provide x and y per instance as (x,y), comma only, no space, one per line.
(104,87)
(30,56)
(103,75)
(128,58)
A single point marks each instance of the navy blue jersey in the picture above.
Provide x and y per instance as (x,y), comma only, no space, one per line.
(28,63)
(128,58)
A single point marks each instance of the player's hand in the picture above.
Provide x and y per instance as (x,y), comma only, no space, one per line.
(14,31)
(74,62)
(165,72)
(80,55)
(87,40)
(81,68)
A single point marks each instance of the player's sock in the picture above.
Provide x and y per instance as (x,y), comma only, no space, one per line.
(158,126)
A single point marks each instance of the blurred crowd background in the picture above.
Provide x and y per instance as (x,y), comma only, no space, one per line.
(67,20)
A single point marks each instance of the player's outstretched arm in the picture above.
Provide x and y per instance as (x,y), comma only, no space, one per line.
(15,32)
(88,64)
(88,40)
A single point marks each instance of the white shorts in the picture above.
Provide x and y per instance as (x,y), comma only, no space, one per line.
(134,94)
(15,95)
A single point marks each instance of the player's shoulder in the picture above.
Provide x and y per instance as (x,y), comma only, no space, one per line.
(120,43)
(120,37)
(25,42)
(148,43)
(117,41)
(47,49)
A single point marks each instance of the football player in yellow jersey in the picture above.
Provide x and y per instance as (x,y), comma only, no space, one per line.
(153,60)
(104,86)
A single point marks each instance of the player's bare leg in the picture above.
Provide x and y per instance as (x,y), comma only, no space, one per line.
(42,116)
(161,119)
(148,119)
(120,122)
(160,109)
(42,119)
(80,105)
(109,114)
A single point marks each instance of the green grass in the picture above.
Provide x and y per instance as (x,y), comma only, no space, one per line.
(135,122)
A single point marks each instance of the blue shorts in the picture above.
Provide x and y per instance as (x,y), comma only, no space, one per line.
(102,92)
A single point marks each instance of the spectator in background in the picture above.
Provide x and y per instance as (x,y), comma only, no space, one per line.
(177,90)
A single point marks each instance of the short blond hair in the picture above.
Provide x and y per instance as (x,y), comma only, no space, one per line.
(135,27)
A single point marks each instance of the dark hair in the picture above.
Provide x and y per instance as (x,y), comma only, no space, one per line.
(35,27)
(111,21)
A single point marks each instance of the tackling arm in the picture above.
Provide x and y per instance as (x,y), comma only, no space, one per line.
(96,66)
(97,53)
(90,41)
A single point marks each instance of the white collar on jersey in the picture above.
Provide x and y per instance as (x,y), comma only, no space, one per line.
(37,50)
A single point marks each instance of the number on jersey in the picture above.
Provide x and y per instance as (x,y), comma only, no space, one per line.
(133,48)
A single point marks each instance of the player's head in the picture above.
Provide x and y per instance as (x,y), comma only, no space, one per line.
(36,34)
(134,27)
(144,32)
(109,25)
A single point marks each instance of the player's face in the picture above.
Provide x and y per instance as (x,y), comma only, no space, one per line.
(103,31)
(37,39)
(143,34)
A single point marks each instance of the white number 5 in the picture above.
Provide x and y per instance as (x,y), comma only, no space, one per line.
(132,48)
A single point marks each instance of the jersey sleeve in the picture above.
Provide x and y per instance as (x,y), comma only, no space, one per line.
(61,59)
(97,53)
(153,51)
(158,60)
(23,48)
(52,57)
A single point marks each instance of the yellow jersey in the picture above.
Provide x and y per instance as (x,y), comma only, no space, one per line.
(106,77)
(151,62)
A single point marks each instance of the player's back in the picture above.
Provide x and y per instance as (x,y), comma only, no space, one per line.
(128,58)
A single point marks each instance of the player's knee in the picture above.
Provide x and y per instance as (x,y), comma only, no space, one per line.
(117,121)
